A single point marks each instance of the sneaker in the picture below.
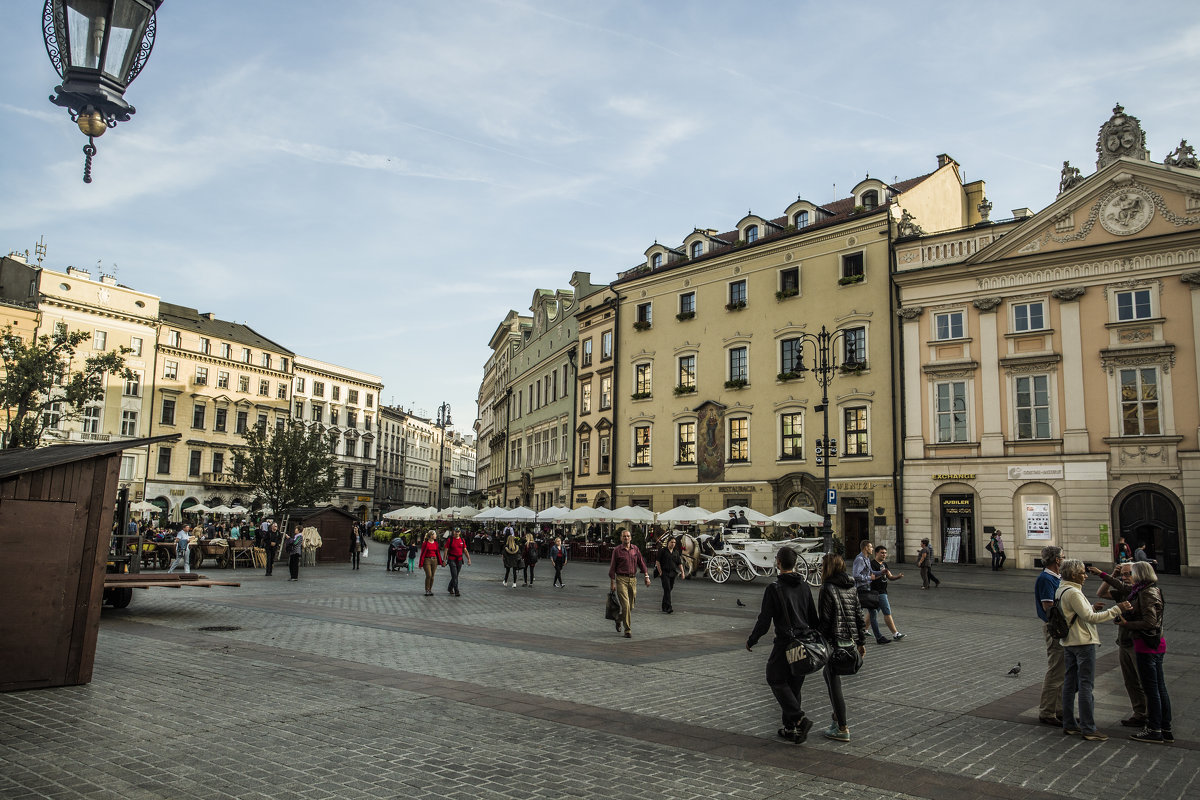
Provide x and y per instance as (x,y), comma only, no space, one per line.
(1147,735)
(837,734)
(898,636)
(802,730)
(1096,736)
(1168,737)
(1071,731)
(882,640)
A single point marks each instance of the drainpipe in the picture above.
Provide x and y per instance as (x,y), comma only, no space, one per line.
(507,424)
(612,440)
(898,429)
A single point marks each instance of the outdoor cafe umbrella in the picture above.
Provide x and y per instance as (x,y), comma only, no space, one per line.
(199,508)
(639,514)
(752,516)
(685,515)
(222,509)
(518,514)
(587,514)
(797,516)
(552,514)
(143,506)
(239,509)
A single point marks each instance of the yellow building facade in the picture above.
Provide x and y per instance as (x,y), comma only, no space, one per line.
(1051,369)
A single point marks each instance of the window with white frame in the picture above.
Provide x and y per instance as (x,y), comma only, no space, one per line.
(686,439)
(948,325)
(586,357)
(751,234)
(1133,305)
(133,385)
(585,398)
(687,372)
(281,391)
(739,363)
(170,370)
(1029,316)
(687,303)
(641,380)
(854,349)
(950,411)
(854,432)
(52,416)
(697,249)
(226,350)
(1032,396)
(201,378)
(585,454)
(318,388)
(300,384)
(91,419)
(135,346)
(801,220)
(172,338)
(245,355)
(1140,402)
(205,345)
(641,446)
(739,440)
(645,313)
(128,467)
(266,360)
(99,340)
(656,260)
(605,454)
(791,435)
(244,383)
(737,293)
(222,379)
(606,393)
(264,388)
(606,345)
(129,420)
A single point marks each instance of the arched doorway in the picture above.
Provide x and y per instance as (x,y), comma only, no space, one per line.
(1150,516)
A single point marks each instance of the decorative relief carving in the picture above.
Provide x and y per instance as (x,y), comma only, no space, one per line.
(1068,293)
(1089,269)
(1191,277)
(1135,335)
(1184,156)
(1162,356)
(909,256)
(1040,364)
(987,303)
(1121,137)
(953,369)
(985,209)
(1070,178)
(1126,212)
(1129,285)
(1144,454)
(909,312)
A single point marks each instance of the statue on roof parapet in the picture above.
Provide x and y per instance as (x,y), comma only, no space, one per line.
(1184,156)
(1071,177)
(1121,137)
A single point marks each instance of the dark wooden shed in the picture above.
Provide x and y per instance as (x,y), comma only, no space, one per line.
(335,526)
(56,519)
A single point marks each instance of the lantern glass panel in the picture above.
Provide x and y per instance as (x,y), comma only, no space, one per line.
(85,31)
(125,37)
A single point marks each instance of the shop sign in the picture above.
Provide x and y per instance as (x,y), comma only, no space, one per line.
(737,489)
(954,476)
(960,505)
(1037,520)
(1035,472)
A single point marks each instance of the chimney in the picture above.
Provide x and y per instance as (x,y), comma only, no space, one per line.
(944,159)
(76,272)
(210,316)
(111,280)
(1021,213)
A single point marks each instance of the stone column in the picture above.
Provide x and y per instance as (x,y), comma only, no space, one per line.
(914,399)
(991,433)
(1075,435)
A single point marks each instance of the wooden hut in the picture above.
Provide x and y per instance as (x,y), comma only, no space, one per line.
(56,519)
(335,526)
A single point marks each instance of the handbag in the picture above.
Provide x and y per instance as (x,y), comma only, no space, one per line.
(806,652)
(845,659)
(868,599)
(612,607)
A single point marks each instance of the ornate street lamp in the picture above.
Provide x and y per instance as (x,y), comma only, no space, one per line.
(825,366)
(97,47)
(443,419)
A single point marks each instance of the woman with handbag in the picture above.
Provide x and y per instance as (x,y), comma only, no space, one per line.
(512,559)
(529,559)
(843,627)
(1145,620)
(787,603)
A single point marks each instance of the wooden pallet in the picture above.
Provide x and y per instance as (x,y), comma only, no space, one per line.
(153,580)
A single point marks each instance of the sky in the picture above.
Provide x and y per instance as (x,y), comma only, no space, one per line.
(376,183)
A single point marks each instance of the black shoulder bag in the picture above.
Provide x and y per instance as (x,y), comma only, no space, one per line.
(806,652)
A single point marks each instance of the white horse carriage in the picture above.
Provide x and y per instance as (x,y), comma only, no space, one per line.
(755,558)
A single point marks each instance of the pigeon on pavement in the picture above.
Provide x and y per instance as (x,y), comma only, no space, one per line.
(1015,670)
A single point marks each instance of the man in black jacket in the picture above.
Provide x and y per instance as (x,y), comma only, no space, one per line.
(789,589)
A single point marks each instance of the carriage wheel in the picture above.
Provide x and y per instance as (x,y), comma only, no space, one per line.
(196,557)
(119,597)
(224,560)
(718,569)
(745,571)
(164,559)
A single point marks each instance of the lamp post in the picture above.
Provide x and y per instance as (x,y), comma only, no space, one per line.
(97,47)
(443,420)
(825,366)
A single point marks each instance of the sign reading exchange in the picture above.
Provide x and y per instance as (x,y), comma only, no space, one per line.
(954,476)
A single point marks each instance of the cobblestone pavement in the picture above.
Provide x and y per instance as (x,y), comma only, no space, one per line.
(354,685)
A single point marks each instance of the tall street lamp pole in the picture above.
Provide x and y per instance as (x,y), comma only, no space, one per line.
(97,47)
(443,420)
(825,366)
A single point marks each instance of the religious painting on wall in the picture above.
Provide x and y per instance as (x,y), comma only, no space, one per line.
(710,445)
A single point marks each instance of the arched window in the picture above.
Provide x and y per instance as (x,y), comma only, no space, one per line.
(656,260)
(801,219)
(752,234)
(870,199)
(697,249)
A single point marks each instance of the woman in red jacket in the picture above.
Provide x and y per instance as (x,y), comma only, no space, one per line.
(431,559)
(456,550)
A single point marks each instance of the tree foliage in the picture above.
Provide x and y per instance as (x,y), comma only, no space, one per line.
(287,466)
(45,371)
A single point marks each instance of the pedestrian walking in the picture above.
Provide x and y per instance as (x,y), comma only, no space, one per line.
(271,541)
(456,551)
(669,566)
(183,541)
(995,546)
(529,559)
(1145,621)
(356,546)
(841,623)
(1044,589)
(925,564)
(1079,650)
(623,567)
(295,546)
(1117,588)
(558,557)
(880,577)
(1123,552)
(431,559)
(512,559)
(413,549)
(787,600)
(396,553)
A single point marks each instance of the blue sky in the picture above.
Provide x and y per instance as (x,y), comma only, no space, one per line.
(376,182)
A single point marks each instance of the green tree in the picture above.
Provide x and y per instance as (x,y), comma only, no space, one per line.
(45,385)
(287,466)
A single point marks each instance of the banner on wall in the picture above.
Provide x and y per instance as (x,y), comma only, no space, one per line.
(1037,520)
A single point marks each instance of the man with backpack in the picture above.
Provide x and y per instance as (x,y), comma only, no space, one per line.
(1050,706)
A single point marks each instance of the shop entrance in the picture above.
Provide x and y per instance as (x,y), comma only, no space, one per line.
(857,529)
(1149,517)
(958,528)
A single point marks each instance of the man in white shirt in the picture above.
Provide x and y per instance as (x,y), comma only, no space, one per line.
(183,541)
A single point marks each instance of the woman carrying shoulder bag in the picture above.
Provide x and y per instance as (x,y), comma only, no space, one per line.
(842,625)
(1145,621)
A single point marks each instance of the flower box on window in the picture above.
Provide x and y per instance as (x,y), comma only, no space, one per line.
(784,294)
(639,396)
(849,279)
(641,326)
(684,390)
(853,367)
(737,383)
(736,305)
(685,315)
(787,376)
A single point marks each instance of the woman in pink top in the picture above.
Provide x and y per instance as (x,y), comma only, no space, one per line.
(431,559)
(1149,647)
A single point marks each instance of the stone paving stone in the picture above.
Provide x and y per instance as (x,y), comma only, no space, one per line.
(355,685)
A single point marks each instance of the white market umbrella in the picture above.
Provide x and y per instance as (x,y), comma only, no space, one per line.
(587,514)
(222,509)
(639,514)
(144,506)
(239,509)
(686,515)
(394,514)
(552,514)
(518,514)
(488,514)
(797,516)
(199,508)
(752,516)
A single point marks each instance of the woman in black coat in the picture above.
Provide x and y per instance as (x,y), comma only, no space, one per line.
(791,589)
(842,625)
(669,566)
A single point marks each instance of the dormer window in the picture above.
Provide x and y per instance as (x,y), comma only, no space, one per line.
(656,260)
(751,234)
(697,249)
(870,199)
(801,219)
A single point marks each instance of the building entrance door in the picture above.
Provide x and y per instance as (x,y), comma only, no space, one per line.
(958,528)
(855,524)
(1149,517)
